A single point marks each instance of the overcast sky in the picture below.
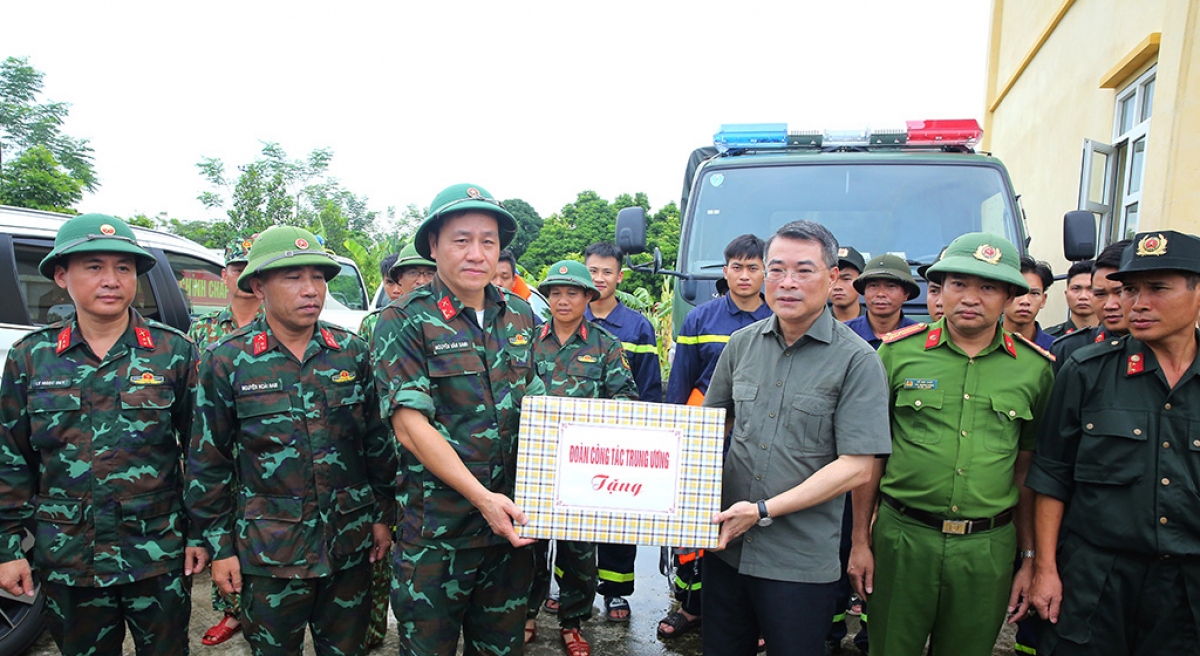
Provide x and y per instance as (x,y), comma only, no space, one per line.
(531,100)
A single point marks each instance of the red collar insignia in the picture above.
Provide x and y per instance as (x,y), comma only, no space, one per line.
(447,308)
(1099,337)
(64,340)
(1135,364)
(260,343)
(143,337)
(933,338)
(1009,345)
(545,330)
(583,330)
(329,340)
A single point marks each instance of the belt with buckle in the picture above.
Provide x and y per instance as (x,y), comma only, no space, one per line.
(950,526)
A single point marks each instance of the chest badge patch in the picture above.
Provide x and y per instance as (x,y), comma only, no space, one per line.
(519,339)
(147,378)
(920,383)
(343,376)
(587,358)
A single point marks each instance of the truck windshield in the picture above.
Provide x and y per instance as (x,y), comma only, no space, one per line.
(909,209)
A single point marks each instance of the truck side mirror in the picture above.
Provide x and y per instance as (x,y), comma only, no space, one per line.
(1079,235)
(631,230)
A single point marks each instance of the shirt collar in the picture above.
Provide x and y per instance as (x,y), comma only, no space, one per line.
(449,304)
(820,330)
(734,310)
(547,331)
(939,335)
(264,338)
(1140,359)
(613,318)
(136,335)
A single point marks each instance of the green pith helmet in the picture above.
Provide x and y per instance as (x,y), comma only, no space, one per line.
(237,251)
(849,256)
(408,257)
(1158,251)
(95,233)
(888,267)
(571,273)
(279,247)
(463,197)
(981,254)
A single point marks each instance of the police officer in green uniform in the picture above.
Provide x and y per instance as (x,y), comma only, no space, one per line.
(966,400)
(575,358)
(314,463)
(453,362)
(205,330)
(1117,569)
(93,416)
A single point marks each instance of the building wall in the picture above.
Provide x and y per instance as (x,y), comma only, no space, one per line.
(1047,59)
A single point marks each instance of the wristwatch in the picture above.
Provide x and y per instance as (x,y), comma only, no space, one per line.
(1026,554)
(764,518)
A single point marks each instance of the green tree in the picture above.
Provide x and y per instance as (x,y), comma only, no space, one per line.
(529,225)
(26,123)
(36,181)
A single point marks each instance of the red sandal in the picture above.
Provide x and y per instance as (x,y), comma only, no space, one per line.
(575,644)
(221,631)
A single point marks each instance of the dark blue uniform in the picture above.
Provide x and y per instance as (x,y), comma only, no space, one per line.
(641,348)
(862,328)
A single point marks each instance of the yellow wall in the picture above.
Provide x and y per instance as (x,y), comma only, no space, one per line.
(1047,60)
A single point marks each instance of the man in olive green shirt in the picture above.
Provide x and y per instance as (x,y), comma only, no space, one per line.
(965,400)
(1117,569)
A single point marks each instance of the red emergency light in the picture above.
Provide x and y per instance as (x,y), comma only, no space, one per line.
(944,132)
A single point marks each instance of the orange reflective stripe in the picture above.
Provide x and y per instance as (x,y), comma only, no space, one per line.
(696,398)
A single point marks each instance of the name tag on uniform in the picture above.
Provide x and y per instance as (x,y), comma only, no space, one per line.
(920,383)
(253,388)
(451,346)
(50,383)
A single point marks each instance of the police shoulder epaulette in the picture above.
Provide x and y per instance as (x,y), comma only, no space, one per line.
(1112,344)
(404,300)
(907,331)
(1033,345)
(151,323)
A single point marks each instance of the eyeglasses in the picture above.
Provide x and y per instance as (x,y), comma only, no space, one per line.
(777,274)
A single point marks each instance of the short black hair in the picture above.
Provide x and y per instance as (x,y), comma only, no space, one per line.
(805,230)
(605,249)
(1110,257)
(1042,269)
(386,263)
(1079,268)
(744,247)
(507,256)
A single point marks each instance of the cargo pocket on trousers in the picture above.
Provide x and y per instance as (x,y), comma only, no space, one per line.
(273,531)
(353,519)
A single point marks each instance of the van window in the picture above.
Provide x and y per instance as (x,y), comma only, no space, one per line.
(347,289)
(46,302)
(201,283)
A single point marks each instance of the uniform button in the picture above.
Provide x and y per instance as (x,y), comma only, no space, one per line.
(1194,442)
(1166,481)
(758,478)
(917,403)
(1162,520)
(1167,406)
(966,396)
(771,415)
(779,383)
(953,508)
(1137,431)
(1167,445)
(1114,342)
(749,539)
(960,472)
(1012,413)
(1090,426)
(764,446)
(788,354)
(964,433)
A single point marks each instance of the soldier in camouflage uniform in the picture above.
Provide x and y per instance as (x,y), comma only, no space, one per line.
(579,359)
(205,330)
(407,273)
(452,364)
(93,411)
(314,462)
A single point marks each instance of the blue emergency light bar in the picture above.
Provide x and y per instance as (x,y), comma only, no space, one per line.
(751,135)
(964,133)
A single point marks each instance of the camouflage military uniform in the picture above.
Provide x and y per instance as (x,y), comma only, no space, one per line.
(381,571)
(591,365)
(90,450)
(316,469)
(207,330)
(452,571)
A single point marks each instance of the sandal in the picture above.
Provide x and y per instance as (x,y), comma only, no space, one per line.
(614,604)
(221,631)
(679,623)
(551,604)
(575,644)
(530,631)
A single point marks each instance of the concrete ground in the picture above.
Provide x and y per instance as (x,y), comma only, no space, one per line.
(650,602)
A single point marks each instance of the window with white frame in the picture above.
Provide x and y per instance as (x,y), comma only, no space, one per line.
(1131,132)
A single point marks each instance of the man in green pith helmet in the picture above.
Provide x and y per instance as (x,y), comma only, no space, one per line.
(408,272)
(966,399)
(93,417)
(206,330)
(453,363)
(315,464)
(576,358)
